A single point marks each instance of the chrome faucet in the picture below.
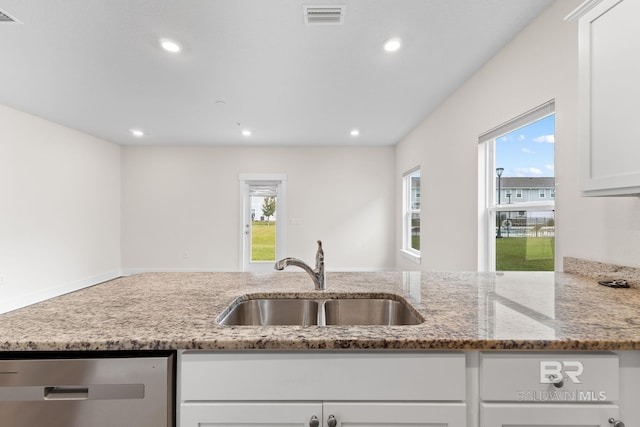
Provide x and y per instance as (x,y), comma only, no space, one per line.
(317,274)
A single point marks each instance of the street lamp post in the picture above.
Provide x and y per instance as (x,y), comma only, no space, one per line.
(499,172)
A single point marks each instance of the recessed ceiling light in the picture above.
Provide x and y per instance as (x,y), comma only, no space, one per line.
(355,132)
(170,45)
(392,45)
(246,132)
(137,133)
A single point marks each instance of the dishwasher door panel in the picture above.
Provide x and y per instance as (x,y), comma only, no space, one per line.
(97,392)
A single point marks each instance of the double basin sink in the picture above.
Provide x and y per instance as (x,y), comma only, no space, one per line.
(347,310)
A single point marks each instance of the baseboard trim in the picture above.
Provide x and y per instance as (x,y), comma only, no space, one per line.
(21,301)
(133,271)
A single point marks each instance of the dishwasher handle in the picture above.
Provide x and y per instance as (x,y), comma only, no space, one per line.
(66,393)
(91,392)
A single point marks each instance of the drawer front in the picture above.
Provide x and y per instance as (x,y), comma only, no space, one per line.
(552,415)
(267,414)
(586,377)
(225,376)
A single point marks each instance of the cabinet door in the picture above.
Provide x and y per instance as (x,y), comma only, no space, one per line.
(552,415)
(380,414)
(263,414)
(610,98)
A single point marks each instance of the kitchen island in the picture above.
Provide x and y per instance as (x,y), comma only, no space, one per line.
(536,348)
(462,311)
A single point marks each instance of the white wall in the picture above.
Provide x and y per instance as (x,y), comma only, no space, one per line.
(59,209)
(185,200)
(540,64)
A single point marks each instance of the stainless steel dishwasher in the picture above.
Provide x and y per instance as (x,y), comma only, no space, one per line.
(88,392)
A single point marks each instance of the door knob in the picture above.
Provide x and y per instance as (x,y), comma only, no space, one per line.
(314,422)
(558,382)
(332,422)
(615,423)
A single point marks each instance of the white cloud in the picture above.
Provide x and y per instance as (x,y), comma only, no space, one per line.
(526,150)
(521,137)
(549,167)
(535,171)
(549,139)
(528,172)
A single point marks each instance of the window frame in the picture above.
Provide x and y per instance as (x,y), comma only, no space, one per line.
(488,208)
(407,214)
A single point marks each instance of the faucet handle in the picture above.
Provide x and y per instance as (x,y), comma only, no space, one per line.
(319,255)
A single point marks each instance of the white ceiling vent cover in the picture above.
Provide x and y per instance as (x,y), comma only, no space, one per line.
(323,15)
(5,17)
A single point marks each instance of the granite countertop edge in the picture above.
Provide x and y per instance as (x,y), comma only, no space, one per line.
(179,311)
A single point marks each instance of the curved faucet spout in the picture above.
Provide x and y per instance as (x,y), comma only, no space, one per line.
(286,262)
(317,274)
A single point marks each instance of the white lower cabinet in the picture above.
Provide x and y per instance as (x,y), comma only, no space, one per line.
(551,415)
(322,389)
(249,414)
(407,389)
(318,414)
(549,389)
(392,414)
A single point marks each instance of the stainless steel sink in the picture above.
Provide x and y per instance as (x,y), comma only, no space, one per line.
(369,311)
(273,311)
(321,312)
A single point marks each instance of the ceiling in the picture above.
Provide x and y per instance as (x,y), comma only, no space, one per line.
(97,66)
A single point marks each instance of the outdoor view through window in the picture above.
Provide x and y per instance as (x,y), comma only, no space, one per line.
(524,198)
(263,226)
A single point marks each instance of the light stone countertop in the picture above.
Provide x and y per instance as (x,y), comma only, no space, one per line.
(167,311)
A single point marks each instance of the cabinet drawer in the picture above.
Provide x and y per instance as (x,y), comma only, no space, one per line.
(542,414)
(267,414)
(590,377)
(226,376)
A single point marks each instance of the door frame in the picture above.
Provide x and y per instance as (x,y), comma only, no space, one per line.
(245,180)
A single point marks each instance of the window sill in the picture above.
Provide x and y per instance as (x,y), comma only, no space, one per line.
(411,256)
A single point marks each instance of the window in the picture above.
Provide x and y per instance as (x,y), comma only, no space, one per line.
(518,233)
(411,213)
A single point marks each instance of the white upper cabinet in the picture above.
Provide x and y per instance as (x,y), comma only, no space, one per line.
(609,74)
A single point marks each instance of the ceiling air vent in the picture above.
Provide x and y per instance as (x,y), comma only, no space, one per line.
(5,17)
(323,15)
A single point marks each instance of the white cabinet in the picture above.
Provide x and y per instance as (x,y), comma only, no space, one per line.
(322,414)
(338,389)
(392,414)
(267,414)
(406,389)
(609,79)
(551,415)
(548,389)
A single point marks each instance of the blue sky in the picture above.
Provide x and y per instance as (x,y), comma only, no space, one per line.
(528,151)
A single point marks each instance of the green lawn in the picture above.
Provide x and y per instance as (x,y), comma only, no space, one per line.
(263,241)
(512,253)
(415,242)
(524,254)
